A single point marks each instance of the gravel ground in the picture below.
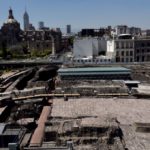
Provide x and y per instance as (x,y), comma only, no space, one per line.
(127,112)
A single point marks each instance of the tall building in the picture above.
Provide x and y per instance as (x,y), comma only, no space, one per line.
(31,27)
(68,29)
(26,21)
(41,25)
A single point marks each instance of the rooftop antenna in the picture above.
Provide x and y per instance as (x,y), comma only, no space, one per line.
(25,8)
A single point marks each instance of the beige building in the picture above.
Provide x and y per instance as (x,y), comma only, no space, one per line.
(41,40)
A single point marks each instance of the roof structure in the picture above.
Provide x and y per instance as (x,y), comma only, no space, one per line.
(95,73)
(95,69)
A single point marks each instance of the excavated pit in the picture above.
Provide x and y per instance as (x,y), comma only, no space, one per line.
(61,130)
(24,80)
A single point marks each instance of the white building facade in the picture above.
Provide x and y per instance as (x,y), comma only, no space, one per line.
(122,50)
(85,47)
(90,51)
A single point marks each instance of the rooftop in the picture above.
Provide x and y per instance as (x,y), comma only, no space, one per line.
(95,69)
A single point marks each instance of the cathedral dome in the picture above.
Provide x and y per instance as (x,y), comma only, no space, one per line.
(11,19)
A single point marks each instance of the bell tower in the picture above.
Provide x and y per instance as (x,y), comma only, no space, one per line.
(10,14)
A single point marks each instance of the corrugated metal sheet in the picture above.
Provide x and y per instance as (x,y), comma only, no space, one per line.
(93,73)
(95,69)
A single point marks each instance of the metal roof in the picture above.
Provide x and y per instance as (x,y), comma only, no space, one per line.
(131,82)
(92,73)
(94,69)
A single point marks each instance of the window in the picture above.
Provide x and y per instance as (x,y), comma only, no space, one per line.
(142,50)
(122,53)
(127,44)
(117,59)
(131,44)
(142,44)
(143,58)
(148,44)
(122,59)
(131,53)
(117,45)
(122,45)
(127,53)
(117,53)
(37,45)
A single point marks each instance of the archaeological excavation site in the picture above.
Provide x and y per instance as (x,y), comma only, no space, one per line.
(60,108)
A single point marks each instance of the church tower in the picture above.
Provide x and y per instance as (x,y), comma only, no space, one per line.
(10,14)
(26,21)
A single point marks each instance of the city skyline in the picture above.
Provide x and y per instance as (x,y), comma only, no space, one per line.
(80,14)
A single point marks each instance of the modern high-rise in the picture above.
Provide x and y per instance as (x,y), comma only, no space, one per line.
(41,25)
(26,21)
(68,29)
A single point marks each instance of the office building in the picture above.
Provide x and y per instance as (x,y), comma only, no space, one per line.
(68,29)
(26,21)
(41,25)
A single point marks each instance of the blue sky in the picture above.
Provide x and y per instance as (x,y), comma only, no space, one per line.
(80,13)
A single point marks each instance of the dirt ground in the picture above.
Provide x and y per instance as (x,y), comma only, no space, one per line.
(127,112)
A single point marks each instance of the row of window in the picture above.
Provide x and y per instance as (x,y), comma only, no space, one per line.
(124,45)
(144,44)
(123,53)
(92,61)
(118,59)
(143,51)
